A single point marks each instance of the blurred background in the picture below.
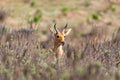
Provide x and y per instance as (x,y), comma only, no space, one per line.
(92,48)
(44,13)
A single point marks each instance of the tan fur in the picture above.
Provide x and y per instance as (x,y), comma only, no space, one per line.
(58,51)
(58,48)
(59,39)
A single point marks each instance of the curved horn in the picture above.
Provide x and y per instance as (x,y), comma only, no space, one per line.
(65,26)
(55,28)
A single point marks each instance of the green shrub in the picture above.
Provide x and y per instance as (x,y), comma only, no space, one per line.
(66,76)
(80,71)
(87,3)
(113,9)
(44,32)
(118,53)
(5,71)
(95,16)
(65,9)
(36,19)
(33,3)
(38,16)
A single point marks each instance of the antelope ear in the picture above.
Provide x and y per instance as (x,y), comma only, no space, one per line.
(66,31)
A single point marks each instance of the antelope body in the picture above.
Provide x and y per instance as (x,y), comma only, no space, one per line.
(59,40)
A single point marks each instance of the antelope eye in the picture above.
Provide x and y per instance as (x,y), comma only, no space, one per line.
(57,36)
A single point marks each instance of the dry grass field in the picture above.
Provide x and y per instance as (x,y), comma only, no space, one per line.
(92,50)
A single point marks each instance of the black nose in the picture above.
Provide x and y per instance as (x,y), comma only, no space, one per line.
(62,43)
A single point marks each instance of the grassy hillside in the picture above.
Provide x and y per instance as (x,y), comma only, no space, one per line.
(92,50)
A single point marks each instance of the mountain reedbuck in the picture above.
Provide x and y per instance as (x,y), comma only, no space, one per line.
(59,41)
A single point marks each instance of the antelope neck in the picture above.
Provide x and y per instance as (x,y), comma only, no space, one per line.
(57,45)
(58,48)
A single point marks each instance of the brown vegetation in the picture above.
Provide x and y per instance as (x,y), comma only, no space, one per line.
(92,50)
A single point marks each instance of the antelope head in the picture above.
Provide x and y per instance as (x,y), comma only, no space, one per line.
(59,36)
